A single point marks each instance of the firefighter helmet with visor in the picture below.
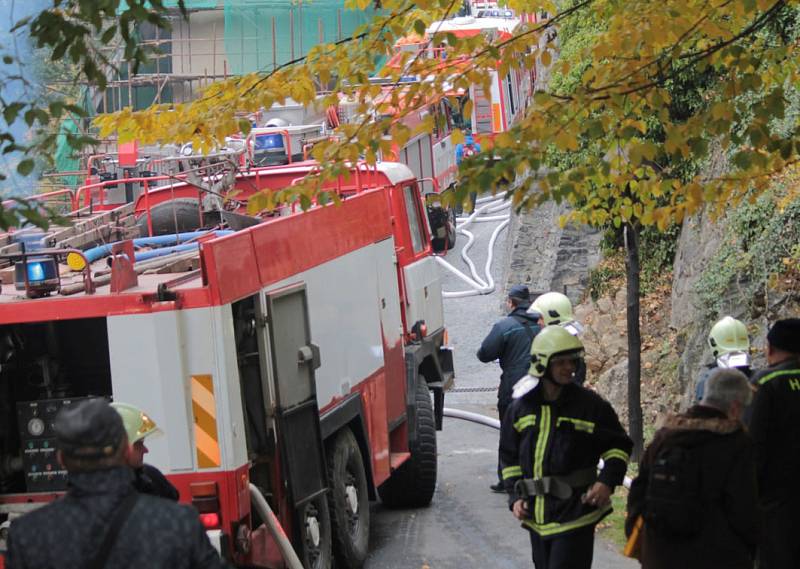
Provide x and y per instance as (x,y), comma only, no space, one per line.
(728,335)
(553,342)
(554,307)
(138,424)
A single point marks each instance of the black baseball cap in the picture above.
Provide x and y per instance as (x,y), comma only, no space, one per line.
(785,335)
(520,292)
(89,428)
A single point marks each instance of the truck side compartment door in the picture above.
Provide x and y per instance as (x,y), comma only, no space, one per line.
(294,359)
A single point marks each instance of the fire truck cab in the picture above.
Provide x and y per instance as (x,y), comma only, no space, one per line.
(291,361)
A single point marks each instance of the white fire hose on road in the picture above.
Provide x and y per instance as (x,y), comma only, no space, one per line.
(478,284)
(495,424)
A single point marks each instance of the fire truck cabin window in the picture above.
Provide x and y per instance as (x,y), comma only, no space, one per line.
(414,221)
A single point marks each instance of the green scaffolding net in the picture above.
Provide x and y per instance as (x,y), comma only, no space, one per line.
(261,34)
(65,158)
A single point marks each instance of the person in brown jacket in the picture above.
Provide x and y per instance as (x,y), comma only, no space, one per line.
(696,488)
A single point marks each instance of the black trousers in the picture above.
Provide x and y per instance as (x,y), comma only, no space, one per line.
(501,412)
(779,547)
(571,551)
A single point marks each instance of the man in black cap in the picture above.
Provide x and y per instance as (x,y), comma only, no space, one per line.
(510,342)
(775,427)
(103,521)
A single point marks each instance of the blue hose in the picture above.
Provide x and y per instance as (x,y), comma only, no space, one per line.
(164,251)
(101,251)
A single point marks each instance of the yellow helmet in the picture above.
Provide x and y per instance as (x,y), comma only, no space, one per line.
(728,335)
(554,307)
(138,424)
(551,341)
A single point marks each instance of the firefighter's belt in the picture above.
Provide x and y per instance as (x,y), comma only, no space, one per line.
(560,487)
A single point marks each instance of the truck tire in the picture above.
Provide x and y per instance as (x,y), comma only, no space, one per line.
(315,534)
(413,484)
(186,211)
(349,501)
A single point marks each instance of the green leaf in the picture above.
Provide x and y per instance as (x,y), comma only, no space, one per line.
(25,167)
(245,126)
(11,111)
(108,35)
(56,109)
(420,27)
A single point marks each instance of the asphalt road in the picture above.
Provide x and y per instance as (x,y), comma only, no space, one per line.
(466,526)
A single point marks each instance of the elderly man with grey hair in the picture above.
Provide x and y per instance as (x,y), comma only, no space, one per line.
(696,489)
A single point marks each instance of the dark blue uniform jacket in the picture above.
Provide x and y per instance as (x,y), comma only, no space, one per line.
(510,342)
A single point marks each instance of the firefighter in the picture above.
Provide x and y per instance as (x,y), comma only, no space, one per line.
(775,427)
(84,529)
(464,150)
(510,342)
(138,426)
(551,440)
(556,308)
(730,347)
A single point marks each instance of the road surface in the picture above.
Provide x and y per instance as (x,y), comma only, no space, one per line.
(466,526)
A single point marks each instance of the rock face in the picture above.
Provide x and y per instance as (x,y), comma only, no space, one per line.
(547,257)
(613,385)
(699,242)
(605,337)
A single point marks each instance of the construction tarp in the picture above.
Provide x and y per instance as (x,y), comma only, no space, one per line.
(261,34)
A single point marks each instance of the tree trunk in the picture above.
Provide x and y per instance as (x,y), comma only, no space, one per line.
(631,233)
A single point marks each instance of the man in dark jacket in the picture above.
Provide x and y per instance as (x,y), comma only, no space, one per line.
(509,341)
(552,438)
(696,488)
(775,427)
(71,532)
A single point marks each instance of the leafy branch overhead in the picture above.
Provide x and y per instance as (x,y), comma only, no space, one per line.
(82,34)
(615,120)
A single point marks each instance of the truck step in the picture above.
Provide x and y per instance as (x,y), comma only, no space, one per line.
(398,458)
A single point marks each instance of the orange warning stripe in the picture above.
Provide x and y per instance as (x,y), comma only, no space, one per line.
(206,437)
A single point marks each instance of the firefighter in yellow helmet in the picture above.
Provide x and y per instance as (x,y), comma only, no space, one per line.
(556,308)
(139,425)
(730,347)
(551,439)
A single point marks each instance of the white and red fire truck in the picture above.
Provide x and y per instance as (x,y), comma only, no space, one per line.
(292,360)
(509,96)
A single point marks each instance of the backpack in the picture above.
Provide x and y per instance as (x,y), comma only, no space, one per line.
(674,501)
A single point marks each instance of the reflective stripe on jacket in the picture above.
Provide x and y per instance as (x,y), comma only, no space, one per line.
(551,438)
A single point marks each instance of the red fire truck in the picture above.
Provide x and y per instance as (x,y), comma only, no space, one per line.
(292,360)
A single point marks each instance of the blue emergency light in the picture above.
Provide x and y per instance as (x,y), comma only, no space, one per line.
(269,142)
(42,275)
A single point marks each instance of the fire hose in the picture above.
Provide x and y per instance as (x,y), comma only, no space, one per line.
(495,424)
(477,283)
(275,529)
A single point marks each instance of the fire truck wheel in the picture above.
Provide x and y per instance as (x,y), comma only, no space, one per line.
(413,484)
(349,501)
(315,532)
(185,212)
